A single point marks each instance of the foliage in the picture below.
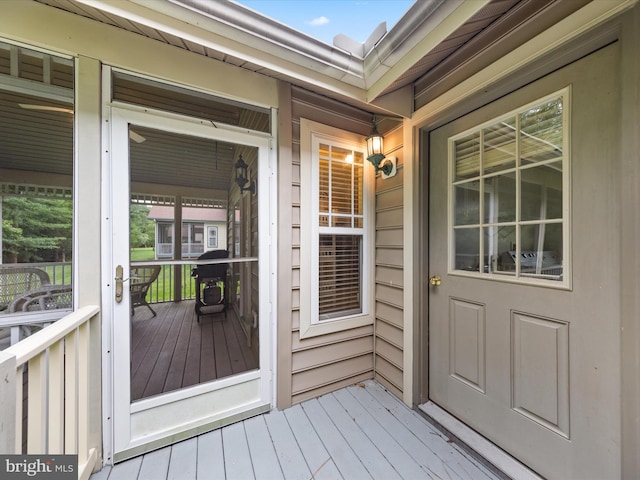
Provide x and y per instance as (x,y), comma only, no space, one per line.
(142,230)
(36,229)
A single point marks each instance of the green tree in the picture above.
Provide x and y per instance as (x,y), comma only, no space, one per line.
(141,229)
(36,229)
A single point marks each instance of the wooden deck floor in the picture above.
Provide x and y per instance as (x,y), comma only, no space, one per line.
(173,350)
(359,432)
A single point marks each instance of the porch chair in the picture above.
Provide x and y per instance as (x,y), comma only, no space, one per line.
(141,279)
(15,281)
(46,297)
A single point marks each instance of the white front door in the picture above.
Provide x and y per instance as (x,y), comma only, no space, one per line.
(187,356)
(524,340)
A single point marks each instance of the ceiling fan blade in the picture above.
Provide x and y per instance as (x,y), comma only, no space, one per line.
(136,137)
(47,108)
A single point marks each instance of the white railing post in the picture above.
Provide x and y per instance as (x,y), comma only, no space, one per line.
(8,393)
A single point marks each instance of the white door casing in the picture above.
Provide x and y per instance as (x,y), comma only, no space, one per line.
(535,368)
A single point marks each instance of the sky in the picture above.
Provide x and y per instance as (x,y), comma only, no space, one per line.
(324,19)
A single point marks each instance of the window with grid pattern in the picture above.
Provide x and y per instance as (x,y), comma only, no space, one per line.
(509,191)
(340,231)
(336,258)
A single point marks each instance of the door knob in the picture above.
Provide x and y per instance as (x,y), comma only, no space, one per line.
(435,280)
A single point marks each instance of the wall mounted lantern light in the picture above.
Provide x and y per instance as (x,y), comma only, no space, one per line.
(242,176)
(375,154)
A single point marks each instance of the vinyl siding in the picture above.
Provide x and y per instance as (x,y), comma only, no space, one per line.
(388,342)
(312,366)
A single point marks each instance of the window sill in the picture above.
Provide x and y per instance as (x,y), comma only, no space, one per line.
(308,329)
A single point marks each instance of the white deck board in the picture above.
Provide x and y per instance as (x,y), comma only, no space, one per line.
(291,459)
(388,447)
(183,463)
(237,459)
(318,459)
(155,464)
(421,453)
(360,432)
(266,465)
(375,463)
(343,455)
(210,456)
(450,454)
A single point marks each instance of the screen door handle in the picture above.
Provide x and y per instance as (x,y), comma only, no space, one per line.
(119,282)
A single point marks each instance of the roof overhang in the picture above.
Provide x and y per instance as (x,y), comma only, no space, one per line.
(242,33)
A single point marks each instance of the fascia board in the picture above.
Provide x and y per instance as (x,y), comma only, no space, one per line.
(591,15)
(386,62)
(203,30)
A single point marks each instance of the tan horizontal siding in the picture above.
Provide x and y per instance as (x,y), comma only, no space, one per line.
(389,375)
(389,294)
(389,256)
(391,353)
(391,198)
(330,374)
(390,332)
(336,385)
(389,275)
(324,363)
(389,237)
(391,314)
(391,217)
(332,353)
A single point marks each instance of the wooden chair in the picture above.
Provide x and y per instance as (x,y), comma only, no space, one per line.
(141,279)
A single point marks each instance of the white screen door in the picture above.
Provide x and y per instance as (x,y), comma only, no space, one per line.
(189,352)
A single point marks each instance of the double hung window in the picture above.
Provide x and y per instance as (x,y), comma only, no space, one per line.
(336,250)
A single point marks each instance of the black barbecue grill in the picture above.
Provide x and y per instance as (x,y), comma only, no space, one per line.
(211,284)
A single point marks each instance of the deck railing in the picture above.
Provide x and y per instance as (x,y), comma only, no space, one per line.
(54,364)
(163,289)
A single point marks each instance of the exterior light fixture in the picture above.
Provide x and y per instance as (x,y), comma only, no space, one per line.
(242,176)
(375,155)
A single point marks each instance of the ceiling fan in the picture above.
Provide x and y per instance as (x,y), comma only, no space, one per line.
(136,137)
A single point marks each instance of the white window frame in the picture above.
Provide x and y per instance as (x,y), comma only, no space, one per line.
(311,134)
(519,278)
(209,242)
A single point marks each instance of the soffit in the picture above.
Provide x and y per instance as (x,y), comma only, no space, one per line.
(227,32)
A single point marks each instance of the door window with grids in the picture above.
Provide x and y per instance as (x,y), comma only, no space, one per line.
(510,195)
(336,251)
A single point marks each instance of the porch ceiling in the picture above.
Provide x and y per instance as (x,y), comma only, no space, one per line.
(432,43)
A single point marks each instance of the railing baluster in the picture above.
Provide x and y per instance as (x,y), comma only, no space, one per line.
(58,372)
(71,393)
(37,405)
(83,393)
(19,412)
(55,427)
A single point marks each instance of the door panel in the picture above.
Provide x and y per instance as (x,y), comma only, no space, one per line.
(184,362)
(533,366)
